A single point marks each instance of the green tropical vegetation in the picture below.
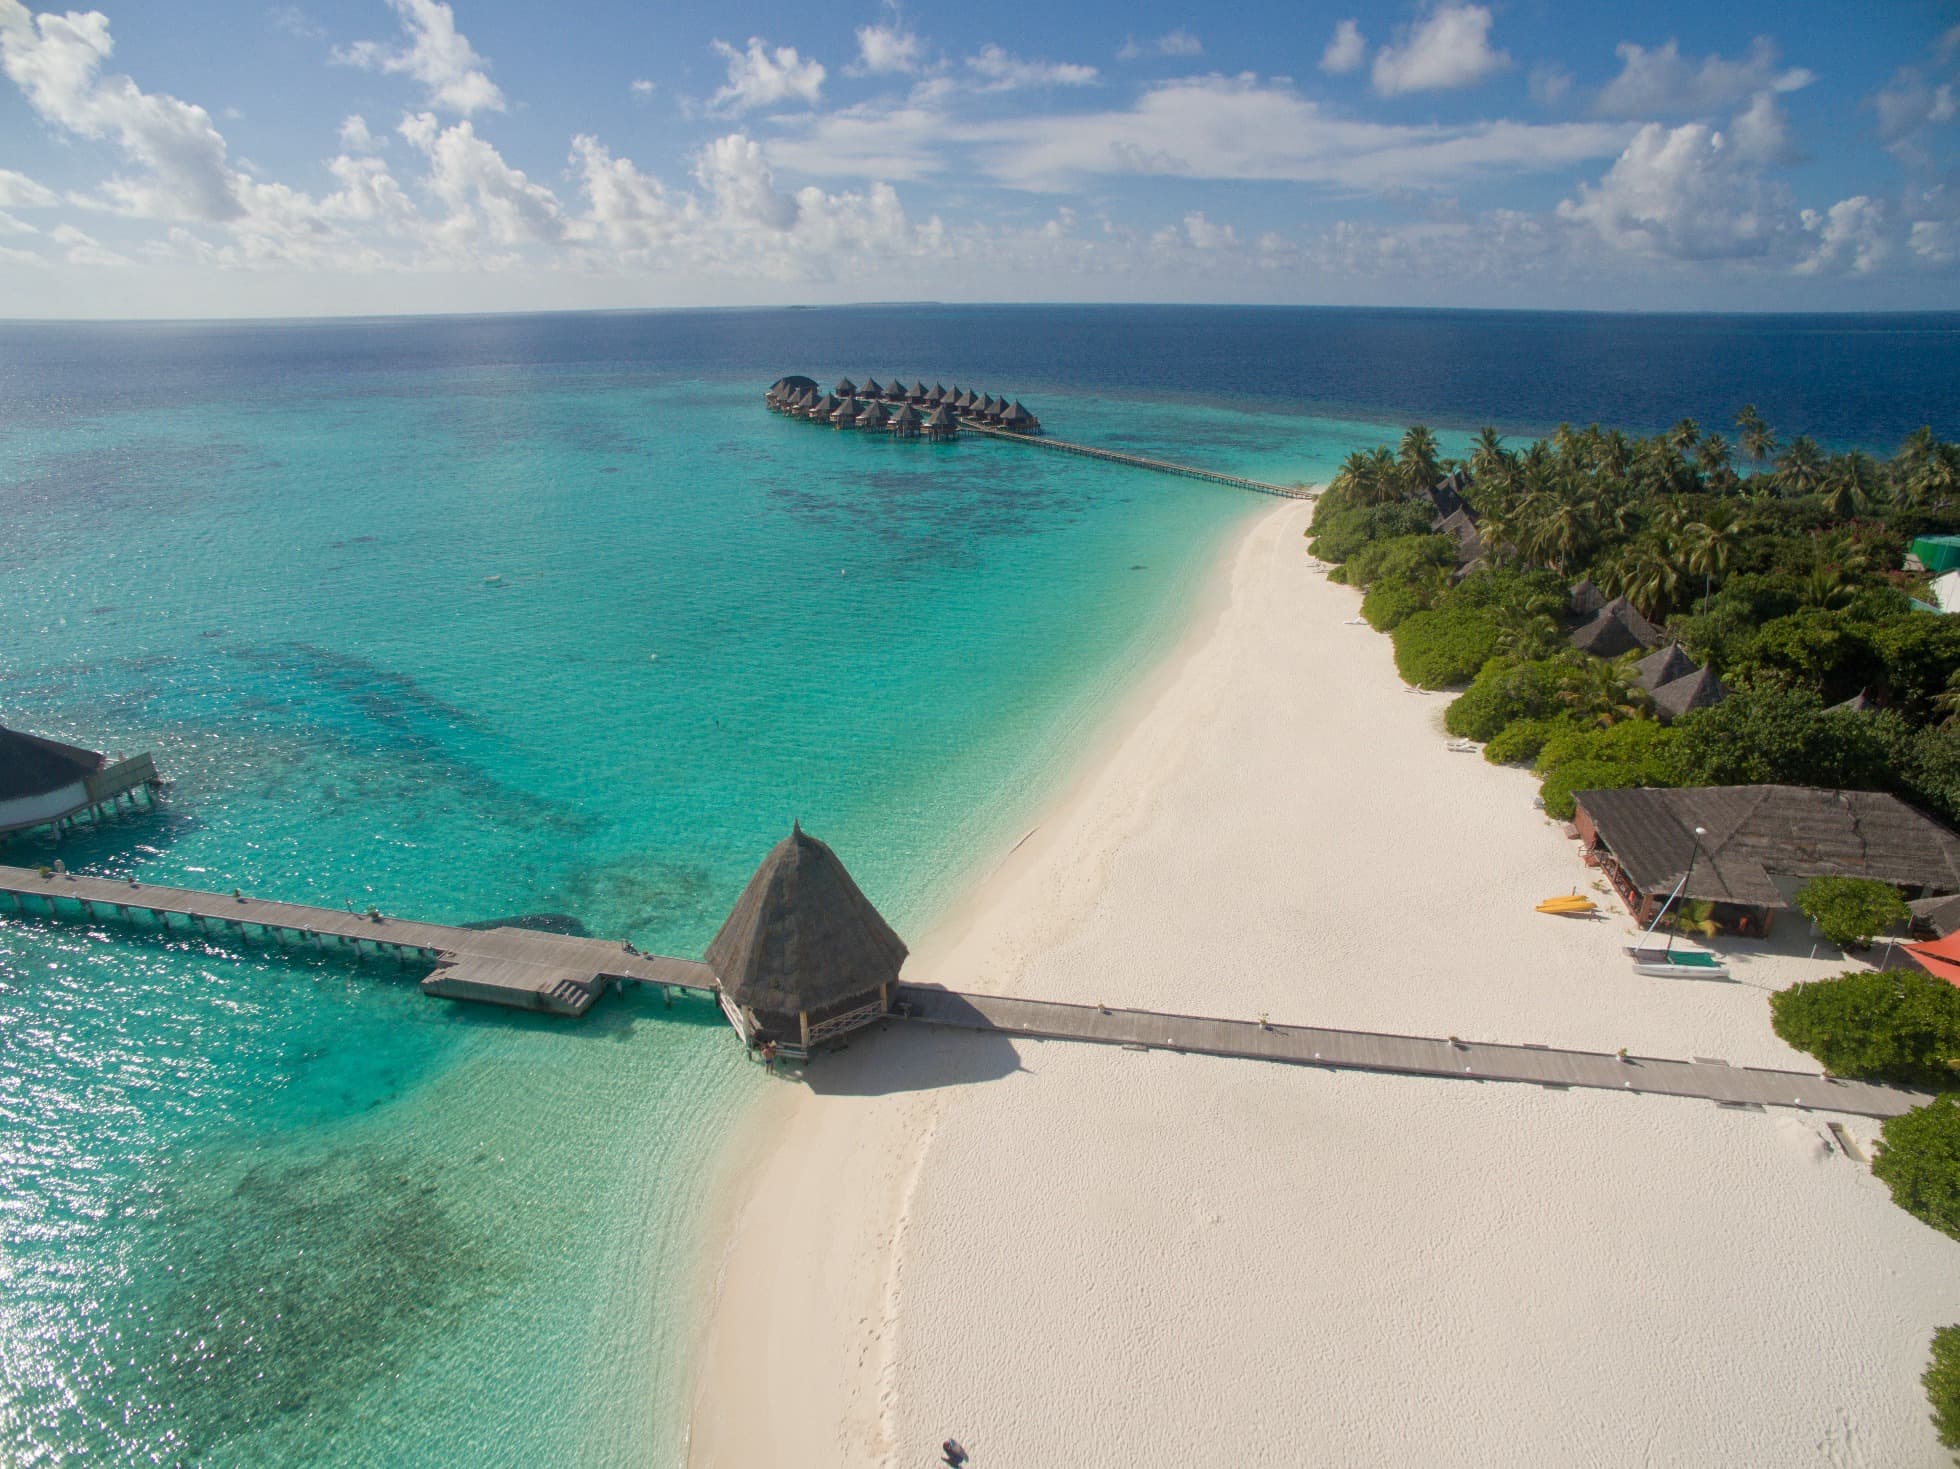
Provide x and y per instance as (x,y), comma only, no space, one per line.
(1942,1382)
(1920,1162)
(1852,911)
(1901,1025)
(1775,564)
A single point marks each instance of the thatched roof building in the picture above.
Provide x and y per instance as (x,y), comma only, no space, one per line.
(905,422)
(1665,666)
(942,424)
(1463,533)
(1019,420)
(871,389)
(1696,690)
(804,957)
(822,408)
(44,782)
(845,388)
(1643,840)
(1616,628)
(846,414)
(1586,599)
(875,416)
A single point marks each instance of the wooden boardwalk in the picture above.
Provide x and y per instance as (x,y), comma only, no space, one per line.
(1406,1055)
(1161,466)
(504,966)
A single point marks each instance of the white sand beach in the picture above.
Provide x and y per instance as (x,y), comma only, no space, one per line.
(1075,1255)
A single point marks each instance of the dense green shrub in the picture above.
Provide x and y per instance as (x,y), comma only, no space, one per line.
(1441,648)
(1636,752)
(1942,1383)
(1921,1162)
(1929,771)
(1506,691)
(1903,1025)
(1338,531)
(1427,559)
(1389,602)
(1852,911)
(1519,742)
(1760,736)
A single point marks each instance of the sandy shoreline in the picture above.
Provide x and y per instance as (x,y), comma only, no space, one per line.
(1073,1255)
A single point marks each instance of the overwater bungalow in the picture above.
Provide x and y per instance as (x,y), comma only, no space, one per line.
(897,393)
(876,416)
(786,390)
(46,783)
(907,422)
(804,957)
(871,389)
(1018,420)
(938,394)
(846,414)
(845,388)
(820,411)
(942,425)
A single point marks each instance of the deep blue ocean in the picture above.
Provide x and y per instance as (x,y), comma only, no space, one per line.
(477,618)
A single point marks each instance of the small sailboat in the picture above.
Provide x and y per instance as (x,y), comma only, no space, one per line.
(1664,961)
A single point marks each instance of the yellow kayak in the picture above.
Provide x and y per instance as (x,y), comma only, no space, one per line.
(1572,906)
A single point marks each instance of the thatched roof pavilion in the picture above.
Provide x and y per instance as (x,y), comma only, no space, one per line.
(1691,691)
(905,422)
(875,416)
(804,957)
(847,413)
(1662,667)
(871,389)
(821,410)
(942,424)
(845,388)
(1616,628)
(1020,420)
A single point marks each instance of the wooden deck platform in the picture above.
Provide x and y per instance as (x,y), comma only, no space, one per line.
(1136,461)
(518,967)
(1351,1050)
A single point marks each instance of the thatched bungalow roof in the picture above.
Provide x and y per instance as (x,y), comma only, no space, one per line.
(789,387)
(1461,529)
(1757,833)
(1443,495)
(847,411)
(942,421)
(824,406)
(33,766)
(803,940)
(1858,703)
(1942,915)
(1665,666)
(1695,690)
(1586,599)
(1616,628)
(1016,416)
(907,417)
(875,415)
(871,389)
(845,388)
(938,394)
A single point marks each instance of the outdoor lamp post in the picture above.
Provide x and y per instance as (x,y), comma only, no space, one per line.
(1693,852)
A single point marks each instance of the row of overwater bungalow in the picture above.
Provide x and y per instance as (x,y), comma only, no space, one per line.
(905,412)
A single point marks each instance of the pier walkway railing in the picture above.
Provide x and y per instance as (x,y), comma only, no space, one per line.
(1405,1055)
(564,975)
(1137,461)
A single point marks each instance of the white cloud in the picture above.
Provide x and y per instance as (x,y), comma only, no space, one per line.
(641,87)
(1851,237)
(469,176)
(884,49)
(296,22)
(1684,193)
(55,60)
(1760,132)
(1935,241)
(84,249)
(901,143)
(1908,108)
(437,55)
(1450,47)
(1663,83)
(11,226)
(18,191)
(1004,72)
(1179,42)
(1204,235)
(1549,84)
(1346,51)
(759,77)
(1238,128)
(356,137)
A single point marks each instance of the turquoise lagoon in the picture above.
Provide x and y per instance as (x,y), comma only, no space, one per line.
(470,640)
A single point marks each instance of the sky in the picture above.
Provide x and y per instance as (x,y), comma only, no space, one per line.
(356,157)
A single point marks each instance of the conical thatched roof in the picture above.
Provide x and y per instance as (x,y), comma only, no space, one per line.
(824,406)
(845,388)
(803,939)
(33,766)
(942,417)
(906,417)
(876,416)
(1586,599)
(1696,690)
(850,408)
(1662,667)
(1616,628)
(871,388)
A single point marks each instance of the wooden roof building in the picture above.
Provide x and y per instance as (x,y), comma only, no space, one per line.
(941,424)
(875,416)
(845,388)
(1665,666)
(44,782)
(804,957)
(905,422)
(1691,691)
(1643,840)
(1616,628)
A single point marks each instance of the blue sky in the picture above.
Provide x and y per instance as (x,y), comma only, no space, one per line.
(224,157)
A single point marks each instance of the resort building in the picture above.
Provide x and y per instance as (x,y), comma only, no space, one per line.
(804,957)
(46,783)
(1760,844)
(1676,684)
(1616,628)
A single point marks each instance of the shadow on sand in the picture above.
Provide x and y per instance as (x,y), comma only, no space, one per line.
(909,1056)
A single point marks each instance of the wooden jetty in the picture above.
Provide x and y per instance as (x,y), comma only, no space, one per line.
(517,967)
(1137,461)
(775,996)
(1404,1055)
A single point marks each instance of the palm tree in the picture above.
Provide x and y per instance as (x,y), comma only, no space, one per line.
(1852,485)
(1649,577)
(1683,437)
(1826,587)
(1757,440)
(1421,467)
(1488,459)
(1710,543)
(1599,692)
(1801,469)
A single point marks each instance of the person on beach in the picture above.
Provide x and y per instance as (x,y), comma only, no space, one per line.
(953,1453)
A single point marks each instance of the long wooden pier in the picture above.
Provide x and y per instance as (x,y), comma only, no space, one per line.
(518,967)
(1405,1055)
(563,975)
(1137,461)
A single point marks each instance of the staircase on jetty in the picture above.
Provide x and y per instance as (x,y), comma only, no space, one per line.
(562,975)
(1160,466)
(517,967)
